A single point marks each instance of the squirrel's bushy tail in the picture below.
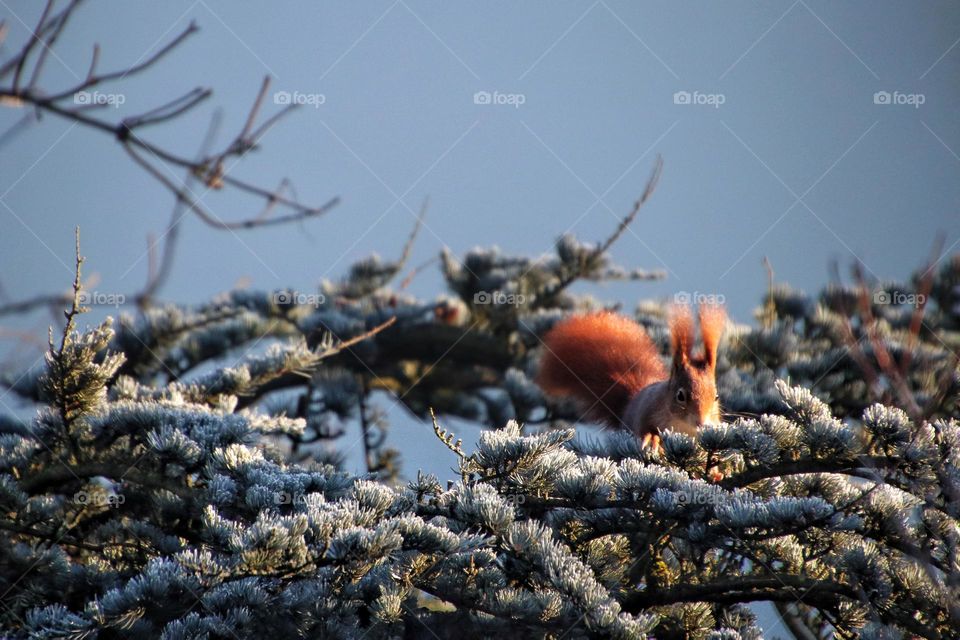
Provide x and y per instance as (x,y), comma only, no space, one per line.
(601,359)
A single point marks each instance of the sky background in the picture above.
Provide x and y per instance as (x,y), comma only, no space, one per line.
(788,155)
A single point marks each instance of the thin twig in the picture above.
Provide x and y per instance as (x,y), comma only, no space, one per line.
(11,64)
(255,109)
(23,306)
(97,79)
(156,278)
(170,110)
(881,353)
(416,271)
(208,168)
(627,220)
(408,247)
(60,22)
(923,292)
(346,344)
(94,60)
(35,37)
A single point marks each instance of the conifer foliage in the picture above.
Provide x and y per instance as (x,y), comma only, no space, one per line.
(149,499)
(178,472)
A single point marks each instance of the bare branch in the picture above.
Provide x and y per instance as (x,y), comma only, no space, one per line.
(408,247)
(97,79)
(630,217)
(597,253)
(24,306)
(209,167)
(35,38)
(48,45)
(94,59)
(171,110)
(923,292)
(776,588)
(880,351)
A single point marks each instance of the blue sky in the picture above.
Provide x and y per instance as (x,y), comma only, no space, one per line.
(784,148)
(782,151)
(798,163)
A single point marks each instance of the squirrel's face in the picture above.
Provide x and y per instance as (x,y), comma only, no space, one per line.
(692,387)
(692,395)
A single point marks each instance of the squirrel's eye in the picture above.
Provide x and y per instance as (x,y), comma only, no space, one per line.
(681,396)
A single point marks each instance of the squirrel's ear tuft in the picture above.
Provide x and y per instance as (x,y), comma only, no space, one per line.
(712,320)
(681,333)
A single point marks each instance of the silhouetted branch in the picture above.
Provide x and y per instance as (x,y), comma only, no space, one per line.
(591,261)
(209,168)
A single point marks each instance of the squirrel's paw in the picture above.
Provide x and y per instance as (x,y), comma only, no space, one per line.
(651,440)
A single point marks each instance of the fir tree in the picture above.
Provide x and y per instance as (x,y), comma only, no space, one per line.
(155,492)
(143,500)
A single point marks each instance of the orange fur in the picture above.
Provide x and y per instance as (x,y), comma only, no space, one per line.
(712,320)
(602,359)
(681,333)
(605,360)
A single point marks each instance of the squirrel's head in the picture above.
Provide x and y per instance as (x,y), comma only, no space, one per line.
(692,385)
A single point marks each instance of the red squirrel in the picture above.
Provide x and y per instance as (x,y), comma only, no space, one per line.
(609,364)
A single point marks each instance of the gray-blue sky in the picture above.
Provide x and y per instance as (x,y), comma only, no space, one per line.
(799,163)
